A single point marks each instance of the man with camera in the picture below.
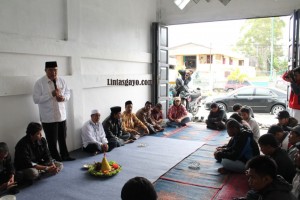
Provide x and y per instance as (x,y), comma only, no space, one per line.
(293,76)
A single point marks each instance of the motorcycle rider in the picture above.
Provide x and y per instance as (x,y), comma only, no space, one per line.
(183,81)
(182,88)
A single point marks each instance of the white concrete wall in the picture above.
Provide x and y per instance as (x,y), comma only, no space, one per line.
(92,41)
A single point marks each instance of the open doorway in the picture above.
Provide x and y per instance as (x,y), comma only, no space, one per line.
(253,50)
(228,55)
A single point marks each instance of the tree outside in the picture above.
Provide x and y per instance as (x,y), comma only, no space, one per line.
(258,38)
(237,75)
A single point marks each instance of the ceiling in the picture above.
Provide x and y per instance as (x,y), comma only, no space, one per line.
(214,10)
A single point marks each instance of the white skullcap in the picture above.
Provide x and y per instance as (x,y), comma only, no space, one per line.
(95,111)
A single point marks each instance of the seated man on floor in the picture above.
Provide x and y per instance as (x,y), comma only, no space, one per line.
(237,108)
(177,114)
(216,118)
(269,146)
(7,172)
(238,118)
(138,188)
(157,115)
(246,115)
(144,114)
(286,121)
(131,124)
(32,156)
(281,136)
(264,181)
(93,136)
(113,128)
(294,138)
(240,148)
(296,180)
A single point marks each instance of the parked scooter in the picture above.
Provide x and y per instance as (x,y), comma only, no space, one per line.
(195,101)
(192,100)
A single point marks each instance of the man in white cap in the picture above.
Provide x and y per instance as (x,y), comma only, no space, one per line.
(177,114)
(93,136)
(50,93)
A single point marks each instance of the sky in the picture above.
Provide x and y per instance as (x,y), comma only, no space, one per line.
(222,34)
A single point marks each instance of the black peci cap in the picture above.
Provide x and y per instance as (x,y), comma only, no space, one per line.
(115,109)
(50,64)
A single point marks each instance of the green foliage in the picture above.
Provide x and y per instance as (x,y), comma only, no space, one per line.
(256,42)
(237,75)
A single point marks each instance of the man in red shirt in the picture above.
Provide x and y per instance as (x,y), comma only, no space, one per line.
(177,114)
(293,76)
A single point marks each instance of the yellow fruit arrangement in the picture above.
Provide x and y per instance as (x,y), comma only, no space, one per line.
(104,168)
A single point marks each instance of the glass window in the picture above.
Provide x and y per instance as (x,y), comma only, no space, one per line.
(190,61)
(241,63)
(209,59)
(246,83)
(263,92)
(245,92)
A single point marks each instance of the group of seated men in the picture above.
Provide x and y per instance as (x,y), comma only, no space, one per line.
(274,175)
(33,158)
(278,168)
(121,128)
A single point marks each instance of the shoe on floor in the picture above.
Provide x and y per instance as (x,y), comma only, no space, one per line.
(222,170)
(13,190)
(68,158)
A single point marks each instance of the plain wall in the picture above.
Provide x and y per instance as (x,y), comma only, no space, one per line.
(91,40)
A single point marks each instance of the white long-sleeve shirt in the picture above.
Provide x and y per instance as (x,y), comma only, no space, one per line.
(50,110)
(93,133)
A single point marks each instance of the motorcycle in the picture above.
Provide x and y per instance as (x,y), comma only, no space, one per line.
(192,100)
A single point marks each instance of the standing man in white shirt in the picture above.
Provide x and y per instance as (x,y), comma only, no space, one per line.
(50,93)
(93,136)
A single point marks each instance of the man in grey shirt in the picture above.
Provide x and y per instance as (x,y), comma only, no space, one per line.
(246,115)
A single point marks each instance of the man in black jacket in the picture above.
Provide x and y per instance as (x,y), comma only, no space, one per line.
(7,172)
(264,181)
(32,155)
(216,118)
(269,146)
(240,148)
(113,129)
(286,121)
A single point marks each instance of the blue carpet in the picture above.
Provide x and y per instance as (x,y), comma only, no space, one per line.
(169,190)
(207,174)
(195,132)
(151,161)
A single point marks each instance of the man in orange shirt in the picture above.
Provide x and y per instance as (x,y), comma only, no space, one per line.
(131,124)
